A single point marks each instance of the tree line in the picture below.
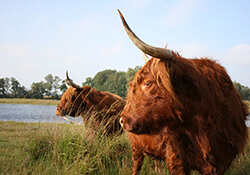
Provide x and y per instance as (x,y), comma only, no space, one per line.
(112,81)
(108,80)
(244,91)
(53,87)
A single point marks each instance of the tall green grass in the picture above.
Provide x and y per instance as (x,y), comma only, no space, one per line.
(74,149)
(47,148)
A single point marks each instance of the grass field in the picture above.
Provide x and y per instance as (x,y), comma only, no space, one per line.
(28,101)
(51,148)
(46,148)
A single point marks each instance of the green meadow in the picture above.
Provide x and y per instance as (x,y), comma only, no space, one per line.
(51,148)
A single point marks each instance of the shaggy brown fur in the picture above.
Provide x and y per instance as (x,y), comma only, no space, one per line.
(186,112)
(86,101)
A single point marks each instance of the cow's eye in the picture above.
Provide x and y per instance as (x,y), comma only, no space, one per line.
(147,84)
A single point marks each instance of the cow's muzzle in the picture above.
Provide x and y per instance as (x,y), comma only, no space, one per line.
(121,122)
(127,124)
(58,111)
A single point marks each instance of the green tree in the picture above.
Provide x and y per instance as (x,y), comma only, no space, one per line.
(131,72)
(17,91)
(56,87)
(244,91)
(7,85)
(88,82)
(116,83)
(22,92)
(52,86)
(37,90)
(112,81)
(2,88)
(48,85)
(123,84)
(63,87)
(100,79)
(15,85)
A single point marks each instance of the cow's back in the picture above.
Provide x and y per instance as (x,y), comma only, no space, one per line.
(107,108)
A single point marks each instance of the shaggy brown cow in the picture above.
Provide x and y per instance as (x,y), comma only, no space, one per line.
(184,111)
(86,101)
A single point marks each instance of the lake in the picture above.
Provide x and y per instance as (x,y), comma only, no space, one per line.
(32,113)
(38,113)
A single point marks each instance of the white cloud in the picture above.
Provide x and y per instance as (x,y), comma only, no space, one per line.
(239,54)
(237,63)
(112,50)
(181,11)
(192,50)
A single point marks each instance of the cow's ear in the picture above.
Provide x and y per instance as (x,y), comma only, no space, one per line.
(77,90)
(85,92)
(89,95)
(86,89)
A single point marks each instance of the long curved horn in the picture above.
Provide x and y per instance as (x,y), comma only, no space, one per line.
(150,50)
(67,85)
(65,118)
(145,57)
(71,83)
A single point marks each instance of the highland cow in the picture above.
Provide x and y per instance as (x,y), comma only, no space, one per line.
(103,107)
(183,111)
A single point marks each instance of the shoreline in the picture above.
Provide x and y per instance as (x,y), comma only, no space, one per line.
(29,101)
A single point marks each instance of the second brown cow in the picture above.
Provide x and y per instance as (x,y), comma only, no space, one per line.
(98,106)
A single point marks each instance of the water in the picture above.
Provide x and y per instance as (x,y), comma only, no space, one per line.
(39,113)
(32,113)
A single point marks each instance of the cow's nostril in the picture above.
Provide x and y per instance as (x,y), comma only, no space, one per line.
(57,111)
(121,121)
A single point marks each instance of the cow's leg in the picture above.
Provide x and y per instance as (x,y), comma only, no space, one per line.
(158,167)
(209,170)
(175,164)
(137,157)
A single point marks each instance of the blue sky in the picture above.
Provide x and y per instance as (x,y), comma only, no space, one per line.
(40,37)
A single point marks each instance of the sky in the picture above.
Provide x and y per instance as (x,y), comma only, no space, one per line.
(41,37)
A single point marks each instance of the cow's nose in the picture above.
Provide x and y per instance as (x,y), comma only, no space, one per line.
(57,111)
(121,121)
(124,122)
